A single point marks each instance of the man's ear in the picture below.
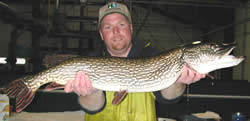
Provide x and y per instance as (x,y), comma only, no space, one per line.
(131,28)
(100,32)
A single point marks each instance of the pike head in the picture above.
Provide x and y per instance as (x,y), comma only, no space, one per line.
(207,57)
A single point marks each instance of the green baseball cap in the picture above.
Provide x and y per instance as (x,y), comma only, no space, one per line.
(113,7)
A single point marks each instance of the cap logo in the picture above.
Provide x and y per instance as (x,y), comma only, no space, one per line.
(112,5)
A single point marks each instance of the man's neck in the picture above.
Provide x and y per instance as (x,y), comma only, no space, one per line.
(120,53)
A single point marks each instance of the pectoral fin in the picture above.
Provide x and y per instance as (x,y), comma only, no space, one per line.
(118,97)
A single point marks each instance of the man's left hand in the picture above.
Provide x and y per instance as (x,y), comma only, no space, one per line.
(189,76)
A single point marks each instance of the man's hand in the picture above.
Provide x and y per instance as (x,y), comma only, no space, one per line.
(81,85)
(190,76)
(90,98)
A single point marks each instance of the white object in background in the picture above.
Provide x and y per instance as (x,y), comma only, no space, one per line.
(20,61)
(48,116)
(165,119)
(4,107)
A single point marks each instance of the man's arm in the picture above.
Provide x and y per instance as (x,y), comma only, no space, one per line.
(174,91)
(92,103)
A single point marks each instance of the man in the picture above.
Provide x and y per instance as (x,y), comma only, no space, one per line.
(115,28)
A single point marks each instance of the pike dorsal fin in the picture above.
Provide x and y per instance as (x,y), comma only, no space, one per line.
(54,59)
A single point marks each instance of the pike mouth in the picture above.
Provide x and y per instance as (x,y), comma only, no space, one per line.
(224,59)
(226,49)
(228,60)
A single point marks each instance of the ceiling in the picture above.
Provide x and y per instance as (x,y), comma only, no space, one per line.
(204,14)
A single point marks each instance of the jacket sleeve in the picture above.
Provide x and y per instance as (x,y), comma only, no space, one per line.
(160,99)
(94,112)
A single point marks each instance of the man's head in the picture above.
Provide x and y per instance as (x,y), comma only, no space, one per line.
(116,29)
(114,7)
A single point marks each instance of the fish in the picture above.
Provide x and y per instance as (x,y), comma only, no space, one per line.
(127,74)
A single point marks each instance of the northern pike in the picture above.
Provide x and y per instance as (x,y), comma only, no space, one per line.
(132,75)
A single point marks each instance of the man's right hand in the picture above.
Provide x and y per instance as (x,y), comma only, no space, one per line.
(81,85)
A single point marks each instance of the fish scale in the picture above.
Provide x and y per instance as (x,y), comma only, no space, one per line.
(133,75)
(106,76)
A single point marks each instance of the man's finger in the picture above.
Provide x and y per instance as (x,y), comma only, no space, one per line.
(89,86)
(77,81)
(68,87)
(83,85)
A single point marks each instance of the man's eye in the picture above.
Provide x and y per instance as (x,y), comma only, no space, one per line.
(122,25)
(107,27)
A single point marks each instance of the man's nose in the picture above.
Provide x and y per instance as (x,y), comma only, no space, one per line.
(116,29)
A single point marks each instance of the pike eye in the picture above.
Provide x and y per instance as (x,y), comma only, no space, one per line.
(213,46)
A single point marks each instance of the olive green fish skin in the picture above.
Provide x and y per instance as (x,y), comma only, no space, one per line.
(135,75)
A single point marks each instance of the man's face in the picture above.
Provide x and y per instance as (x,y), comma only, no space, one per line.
(116,32)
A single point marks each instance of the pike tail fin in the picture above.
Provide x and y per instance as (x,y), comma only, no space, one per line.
(21,92)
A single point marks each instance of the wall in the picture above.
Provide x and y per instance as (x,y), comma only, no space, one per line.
(242,38)
(5,30)
(161,31)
